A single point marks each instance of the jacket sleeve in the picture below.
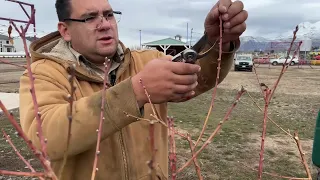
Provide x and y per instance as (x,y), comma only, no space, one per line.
(209,63)
(52,93)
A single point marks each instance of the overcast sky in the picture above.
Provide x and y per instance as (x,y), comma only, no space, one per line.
(166,18)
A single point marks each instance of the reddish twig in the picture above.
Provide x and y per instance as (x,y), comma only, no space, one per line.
(172,144)
(32,91)
(215,88)
(151,133)
(268,96)
(26,174)
(107,65)
(226,117)
(158,121)
(182,135)
(41,155)
(304,162)
(294,54)
(13,64)
(286,132)
(44,162)
(70,99)
(155,113)
(284,67)
(153,151)
(264,129)
(148,120)
(16,151)
(295,138)
(258,79)
(196,165)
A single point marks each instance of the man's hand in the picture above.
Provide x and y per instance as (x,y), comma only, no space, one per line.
(165,81)
(233,17)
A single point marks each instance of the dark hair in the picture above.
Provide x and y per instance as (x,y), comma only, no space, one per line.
(63,8)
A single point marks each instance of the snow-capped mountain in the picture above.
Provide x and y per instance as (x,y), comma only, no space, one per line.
(255,39)
(306,30)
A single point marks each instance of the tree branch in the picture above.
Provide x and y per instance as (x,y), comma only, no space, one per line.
(33,94)
(226,117)
(216,85)
(44,162)
(107,65)
(8,139)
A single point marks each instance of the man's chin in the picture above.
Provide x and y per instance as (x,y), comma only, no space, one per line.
(107,49)
(107,52)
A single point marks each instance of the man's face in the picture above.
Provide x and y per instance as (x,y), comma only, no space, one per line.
(90,41)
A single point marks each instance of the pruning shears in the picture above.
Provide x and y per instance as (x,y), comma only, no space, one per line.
(191,55)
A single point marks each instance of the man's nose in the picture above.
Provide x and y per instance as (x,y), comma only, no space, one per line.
(105,23)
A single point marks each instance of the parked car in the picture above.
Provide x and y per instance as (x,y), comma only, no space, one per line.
(282,60)
(243,62)
(261,60)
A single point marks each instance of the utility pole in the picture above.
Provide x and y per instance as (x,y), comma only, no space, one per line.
(140,39)
(191,36)
(187,32)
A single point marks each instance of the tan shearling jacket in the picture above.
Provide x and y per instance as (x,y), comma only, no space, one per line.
(125,147)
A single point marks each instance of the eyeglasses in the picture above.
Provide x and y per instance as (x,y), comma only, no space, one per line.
(95,22)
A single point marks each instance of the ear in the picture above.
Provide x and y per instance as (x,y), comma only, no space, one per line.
(64,31)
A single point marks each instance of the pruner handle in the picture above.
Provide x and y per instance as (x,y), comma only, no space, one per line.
(187,56)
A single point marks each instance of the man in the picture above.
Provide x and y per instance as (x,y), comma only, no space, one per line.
(86,39)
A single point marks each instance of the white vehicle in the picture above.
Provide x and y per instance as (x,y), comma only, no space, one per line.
(282,60)
(243,62)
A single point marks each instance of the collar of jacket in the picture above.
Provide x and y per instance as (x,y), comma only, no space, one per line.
(41,49)
(118,57)
(91,67)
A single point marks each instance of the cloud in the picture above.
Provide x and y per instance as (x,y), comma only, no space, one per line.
(167,18)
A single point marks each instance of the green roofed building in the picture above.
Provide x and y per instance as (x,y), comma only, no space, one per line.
(170,46)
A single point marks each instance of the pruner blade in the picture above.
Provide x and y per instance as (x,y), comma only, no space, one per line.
(191,55)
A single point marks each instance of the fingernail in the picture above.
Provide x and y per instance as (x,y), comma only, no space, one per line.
(225,16)
(199,69)
(224,9)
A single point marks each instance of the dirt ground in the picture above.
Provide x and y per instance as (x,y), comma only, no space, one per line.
(295,81)
(9,75)
(234,153)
